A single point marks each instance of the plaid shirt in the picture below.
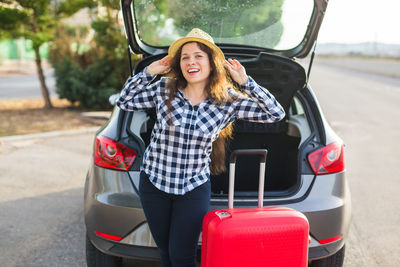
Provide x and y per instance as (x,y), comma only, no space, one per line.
(178,157)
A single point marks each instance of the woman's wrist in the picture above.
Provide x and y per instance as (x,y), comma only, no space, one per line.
(149,71)
(244,80)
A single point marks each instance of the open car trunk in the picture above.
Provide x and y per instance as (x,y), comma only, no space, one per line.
(282,77)
(281,167)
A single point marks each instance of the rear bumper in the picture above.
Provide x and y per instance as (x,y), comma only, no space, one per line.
(112,206)
(123,250)
(328,210)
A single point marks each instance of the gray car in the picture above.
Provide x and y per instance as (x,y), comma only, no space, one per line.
(305,167)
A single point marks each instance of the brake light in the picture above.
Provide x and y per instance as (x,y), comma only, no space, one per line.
(113,155)
(329,159)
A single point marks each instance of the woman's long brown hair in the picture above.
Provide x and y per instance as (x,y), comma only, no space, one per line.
(217,89)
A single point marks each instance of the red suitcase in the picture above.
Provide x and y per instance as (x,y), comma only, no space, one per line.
(263,236)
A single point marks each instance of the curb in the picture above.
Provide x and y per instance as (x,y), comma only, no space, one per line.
(96,114)
(47,134)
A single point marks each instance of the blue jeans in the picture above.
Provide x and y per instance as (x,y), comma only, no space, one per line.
(175,221)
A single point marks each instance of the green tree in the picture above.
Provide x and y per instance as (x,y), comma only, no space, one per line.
(89,76)
(36,20)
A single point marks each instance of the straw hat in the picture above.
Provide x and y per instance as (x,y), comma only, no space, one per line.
(196,35)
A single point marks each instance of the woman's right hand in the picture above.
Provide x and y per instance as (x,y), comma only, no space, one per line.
(161,66)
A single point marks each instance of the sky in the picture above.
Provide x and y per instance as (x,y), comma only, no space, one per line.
(354,21)
(345,21)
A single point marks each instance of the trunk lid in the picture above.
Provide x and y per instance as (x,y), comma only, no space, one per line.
(284,27)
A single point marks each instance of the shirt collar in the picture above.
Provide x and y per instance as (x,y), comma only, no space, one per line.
(182,96)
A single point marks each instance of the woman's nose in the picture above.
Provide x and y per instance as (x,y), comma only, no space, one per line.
(190,61)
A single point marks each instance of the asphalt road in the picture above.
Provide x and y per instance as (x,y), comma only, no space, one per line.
(363,109)
(41,181)
(26,86)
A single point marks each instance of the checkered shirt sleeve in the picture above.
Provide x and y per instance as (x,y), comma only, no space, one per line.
(259,106)
(137,94)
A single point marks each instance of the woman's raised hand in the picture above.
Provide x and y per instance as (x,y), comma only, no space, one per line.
(161,66)
(237,71)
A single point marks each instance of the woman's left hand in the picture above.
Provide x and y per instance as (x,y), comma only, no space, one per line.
(237,71)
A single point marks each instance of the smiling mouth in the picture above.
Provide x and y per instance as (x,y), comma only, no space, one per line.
(193,71)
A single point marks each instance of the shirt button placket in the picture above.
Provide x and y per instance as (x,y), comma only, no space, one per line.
(193,116)
(186,141)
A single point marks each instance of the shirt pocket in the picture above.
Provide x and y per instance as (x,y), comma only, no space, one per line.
(165,115)
(209,122)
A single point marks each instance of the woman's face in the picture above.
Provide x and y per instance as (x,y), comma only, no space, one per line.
(195,64)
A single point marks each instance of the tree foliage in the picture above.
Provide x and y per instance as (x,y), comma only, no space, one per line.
(89,70)
(36,20)
(90,86)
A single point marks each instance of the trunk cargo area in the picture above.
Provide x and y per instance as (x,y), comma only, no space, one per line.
(282,77)
(281,167)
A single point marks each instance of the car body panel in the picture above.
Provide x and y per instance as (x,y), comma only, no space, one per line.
(112,205)
(111,198)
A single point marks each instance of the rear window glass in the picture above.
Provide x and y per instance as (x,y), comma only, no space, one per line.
(273,24)
(296,108)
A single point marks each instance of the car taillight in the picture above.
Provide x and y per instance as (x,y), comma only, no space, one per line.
(329,159)
(113,155)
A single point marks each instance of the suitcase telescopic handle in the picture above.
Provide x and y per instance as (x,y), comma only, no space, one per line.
(232,164)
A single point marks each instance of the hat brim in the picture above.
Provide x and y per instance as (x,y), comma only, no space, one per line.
(173,49)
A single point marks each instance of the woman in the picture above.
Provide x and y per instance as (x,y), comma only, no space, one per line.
(195,105)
